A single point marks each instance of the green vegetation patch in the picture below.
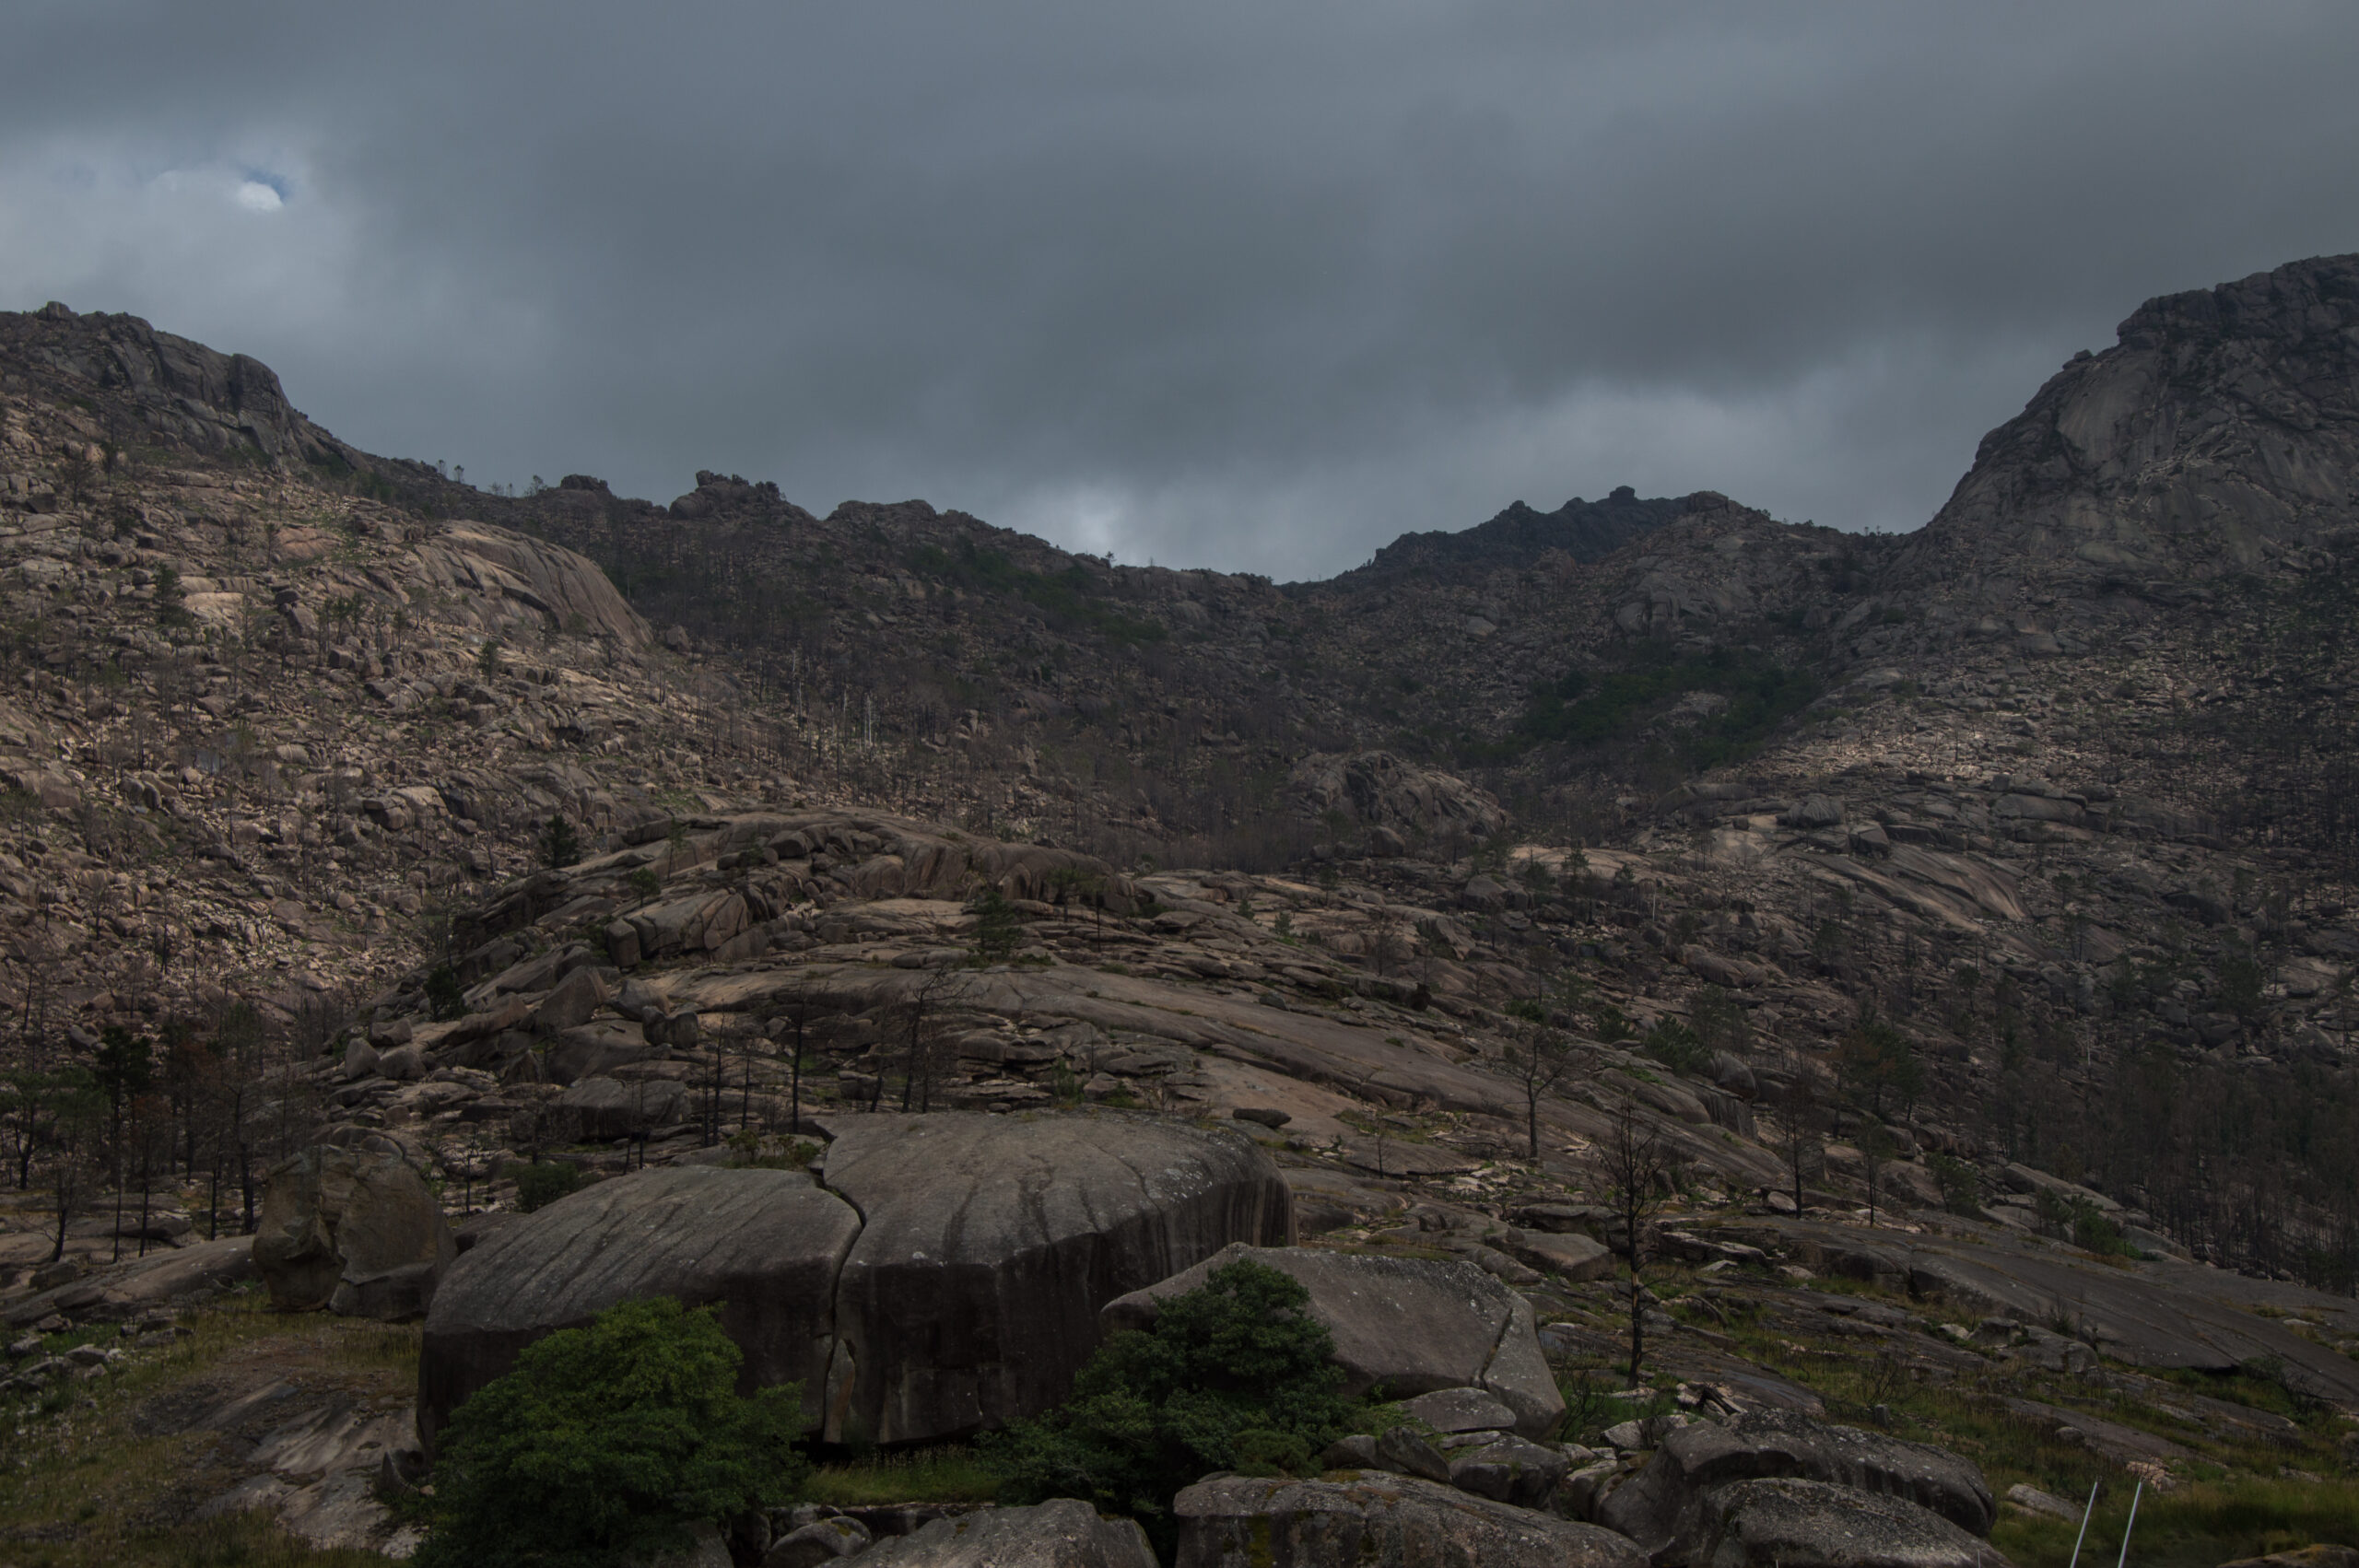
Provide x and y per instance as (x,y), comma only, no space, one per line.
(1584,710)
(2196,1527)
(949,1473)
(83,1485)
(606,1442)
(1234,1376)
(1070,598)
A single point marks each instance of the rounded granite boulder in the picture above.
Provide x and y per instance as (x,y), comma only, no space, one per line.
(943,1275)
(355,1231)
(764,1245)
(990,1242)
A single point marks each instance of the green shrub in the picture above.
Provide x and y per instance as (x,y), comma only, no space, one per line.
(543,1182)
(2094,1231)
(446,997)
(645,883)
(997,926)
(1234,1376)
(1961,1184)
(1675,1045)
(559,845)
(605,1442)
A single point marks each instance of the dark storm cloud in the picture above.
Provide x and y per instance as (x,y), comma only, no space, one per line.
(1240,284)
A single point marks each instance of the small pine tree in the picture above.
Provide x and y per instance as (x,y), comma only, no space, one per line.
(997,930)
(606,1442)
(172,599)
(561,845)
(446,997)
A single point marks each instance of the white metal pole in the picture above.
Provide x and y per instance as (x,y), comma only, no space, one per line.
(2130,1526)
(2088,1508)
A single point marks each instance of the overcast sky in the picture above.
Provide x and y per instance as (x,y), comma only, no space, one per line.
(1254,286)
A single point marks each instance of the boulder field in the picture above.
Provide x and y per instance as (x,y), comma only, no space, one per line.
(933,1276)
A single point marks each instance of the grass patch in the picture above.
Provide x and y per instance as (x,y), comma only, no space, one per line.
(2195,1527)
(2227,1510)
(79,1487)
(1590,1405)
(244,1541)
(949,1473)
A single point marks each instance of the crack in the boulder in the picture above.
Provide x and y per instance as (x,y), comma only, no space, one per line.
(1506,1326)
(843,1363)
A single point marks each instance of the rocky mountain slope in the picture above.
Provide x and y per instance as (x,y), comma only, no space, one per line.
(1969,912)
(260,732)
(2057,785)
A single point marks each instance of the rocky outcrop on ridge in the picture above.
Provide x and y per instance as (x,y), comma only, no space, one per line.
(2219,435)
(1520,537)
(156,388)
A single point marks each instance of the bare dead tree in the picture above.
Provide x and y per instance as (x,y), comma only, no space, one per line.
(922,1066)
(789,1040)
(1798,1115)
(1876,1150)
(1387,944)
(1540,1056)
(1638,1172)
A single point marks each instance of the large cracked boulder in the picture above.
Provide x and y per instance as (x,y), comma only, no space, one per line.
(357,1232)
(989,1244)
(942,1276)
(1062,1533)
(1407,1325)
(1679,1505)
(1381,1521)
(765,1246)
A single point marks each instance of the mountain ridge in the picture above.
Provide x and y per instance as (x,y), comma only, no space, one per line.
(1839,771)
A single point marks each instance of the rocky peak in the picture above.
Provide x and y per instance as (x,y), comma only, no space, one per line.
(731,497)
(2220,435)
(1521,535)
(142,386)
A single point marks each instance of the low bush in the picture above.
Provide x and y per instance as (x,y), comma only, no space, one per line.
(1961,1184)
(1234,1376)
(606,1443)
(543,1182)
(446,995)
(1676,1046)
